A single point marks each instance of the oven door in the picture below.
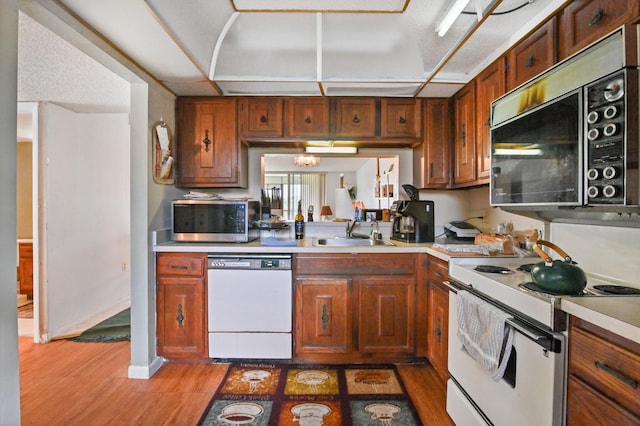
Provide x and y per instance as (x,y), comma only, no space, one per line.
(530,393)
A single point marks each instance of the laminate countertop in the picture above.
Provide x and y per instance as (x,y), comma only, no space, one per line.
(618,314)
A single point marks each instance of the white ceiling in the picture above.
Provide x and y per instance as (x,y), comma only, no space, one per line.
(390,51)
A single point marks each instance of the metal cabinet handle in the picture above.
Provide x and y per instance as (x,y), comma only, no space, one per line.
(530,61)
(438,274)
(324,317)
(438,331)
(463,136)
(615,373)
(307,120)
(264,119)
(179,267)
(402,120)
(356,119)
(180,317)
(596,18)
(206,141)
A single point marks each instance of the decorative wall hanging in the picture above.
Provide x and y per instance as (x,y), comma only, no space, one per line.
(163,161)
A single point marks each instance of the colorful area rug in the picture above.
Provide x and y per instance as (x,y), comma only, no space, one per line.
(306,395)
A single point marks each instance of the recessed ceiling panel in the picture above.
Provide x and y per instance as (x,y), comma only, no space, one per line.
(270,46)
(321,5)
(269,88)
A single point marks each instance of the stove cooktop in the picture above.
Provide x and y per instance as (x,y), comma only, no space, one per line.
(504,280)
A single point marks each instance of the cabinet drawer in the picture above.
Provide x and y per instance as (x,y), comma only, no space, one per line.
(438,269)
(355,264)
(181,264)
(533,55)
(587,406)
(608,367)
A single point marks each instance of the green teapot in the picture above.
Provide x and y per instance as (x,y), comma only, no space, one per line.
(557,276)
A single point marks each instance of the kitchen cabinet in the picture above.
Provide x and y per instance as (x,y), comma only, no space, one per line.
(438,315)
(464,141)
(307,117)
(260,117)
(401,118)
(355,118)
(533,55)
(490,85)
(582,22)
(181,305)
(209,154)
(603,377)
(25,265)
(432,158)
(354,308)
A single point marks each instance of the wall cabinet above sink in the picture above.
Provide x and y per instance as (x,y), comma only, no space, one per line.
(365,121)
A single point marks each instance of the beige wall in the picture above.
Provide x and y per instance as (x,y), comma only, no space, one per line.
(24,186)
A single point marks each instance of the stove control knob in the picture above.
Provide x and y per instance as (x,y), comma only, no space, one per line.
(609,172)
(610,112)
(593,174)
(593,117)
(593,134)
(610,129)
(609,191)
(593,191)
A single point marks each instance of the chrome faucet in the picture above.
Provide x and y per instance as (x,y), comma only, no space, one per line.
(350,226)
(375,234)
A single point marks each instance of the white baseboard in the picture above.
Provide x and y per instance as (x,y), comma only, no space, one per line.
(145,372)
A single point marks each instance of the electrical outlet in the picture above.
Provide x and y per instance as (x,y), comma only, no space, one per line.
(124,266)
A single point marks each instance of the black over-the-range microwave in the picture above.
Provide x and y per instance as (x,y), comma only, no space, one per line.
(233,221)
(569,137)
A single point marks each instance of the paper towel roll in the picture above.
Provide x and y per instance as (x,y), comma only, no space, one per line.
(344,206)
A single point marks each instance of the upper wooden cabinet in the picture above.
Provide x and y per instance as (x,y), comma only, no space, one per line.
(533,55)
(490,85)
(584,21)
(260,117)
(306,117)
(432,159)
(401,118)
(464,140)
(208,149)
(355,118)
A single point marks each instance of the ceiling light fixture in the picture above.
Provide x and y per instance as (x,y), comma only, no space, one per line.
(455,9)
(306,161)
(331,149)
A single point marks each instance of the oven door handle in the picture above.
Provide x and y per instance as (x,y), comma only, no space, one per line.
(522,328)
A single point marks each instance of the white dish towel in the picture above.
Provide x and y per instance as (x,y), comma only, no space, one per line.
(484,333)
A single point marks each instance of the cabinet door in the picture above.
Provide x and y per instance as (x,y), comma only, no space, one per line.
(584,21)
(208,147)
(432,158)
(438,316)
(25,262)
(587,406)
(490,85)
(401,118)
(322,316)
(355,118)
(464,136)
(181,313)
(533,55)
(307,117)
(386,315)
(260,118)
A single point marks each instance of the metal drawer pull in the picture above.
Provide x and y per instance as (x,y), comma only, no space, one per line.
(179,267)
(438,274)
(616,374)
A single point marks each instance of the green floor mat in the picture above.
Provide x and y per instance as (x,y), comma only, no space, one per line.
(114,329)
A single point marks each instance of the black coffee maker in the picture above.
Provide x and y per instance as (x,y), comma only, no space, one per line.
(412,220)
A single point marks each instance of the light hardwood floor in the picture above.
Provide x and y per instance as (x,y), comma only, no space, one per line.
(70,383)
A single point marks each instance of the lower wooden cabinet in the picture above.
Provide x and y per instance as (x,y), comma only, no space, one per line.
(181,301)
(603,378)
(25,264)
(354,308)
(438,315)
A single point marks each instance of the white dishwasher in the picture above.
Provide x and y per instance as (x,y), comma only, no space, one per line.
(250,306)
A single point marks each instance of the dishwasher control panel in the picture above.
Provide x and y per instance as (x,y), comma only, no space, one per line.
(280,262)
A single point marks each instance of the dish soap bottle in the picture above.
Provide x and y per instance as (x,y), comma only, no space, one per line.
(299,222)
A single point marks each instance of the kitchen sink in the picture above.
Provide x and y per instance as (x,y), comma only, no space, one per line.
(347,242)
